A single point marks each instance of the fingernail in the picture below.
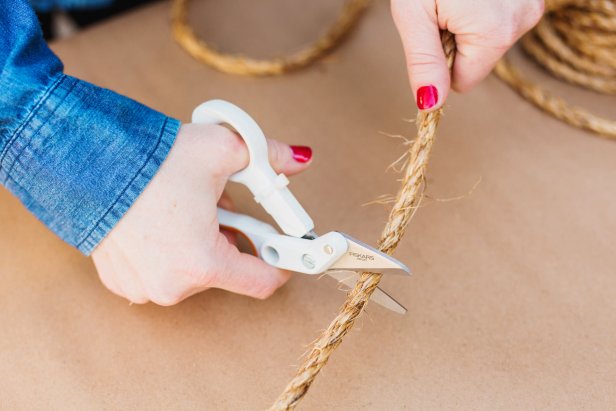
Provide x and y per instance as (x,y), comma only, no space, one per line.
(301,154)
(427,97)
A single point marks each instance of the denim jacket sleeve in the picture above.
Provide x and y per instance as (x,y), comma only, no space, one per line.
(76,155)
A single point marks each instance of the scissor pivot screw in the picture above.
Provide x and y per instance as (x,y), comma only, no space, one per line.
(308,261)
(328,249)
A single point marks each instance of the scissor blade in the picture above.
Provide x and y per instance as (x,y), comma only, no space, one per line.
(349,278)
(362,257)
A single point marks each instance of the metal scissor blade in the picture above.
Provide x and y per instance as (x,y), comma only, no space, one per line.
(349,278)
(362,257)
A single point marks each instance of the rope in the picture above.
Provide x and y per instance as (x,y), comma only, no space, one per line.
(242,65)
(407,201)
(575,41)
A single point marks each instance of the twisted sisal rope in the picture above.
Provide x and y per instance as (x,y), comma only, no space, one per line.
(242,65)
(575,41)
(406,203)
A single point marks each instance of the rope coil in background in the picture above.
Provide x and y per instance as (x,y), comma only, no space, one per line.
(246,66)
(576,42)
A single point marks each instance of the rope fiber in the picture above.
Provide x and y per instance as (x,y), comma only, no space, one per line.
(407,200)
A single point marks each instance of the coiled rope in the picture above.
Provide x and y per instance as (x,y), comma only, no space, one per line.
(576,41)
(246,66)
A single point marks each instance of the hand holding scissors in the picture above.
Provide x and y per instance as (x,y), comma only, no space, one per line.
(299,249)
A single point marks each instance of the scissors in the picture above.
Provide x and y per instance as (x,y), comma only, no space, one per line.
(299,249)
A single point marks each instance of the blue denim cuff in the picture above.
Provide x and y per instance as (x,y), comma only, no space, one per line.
(82,157)
(166,138)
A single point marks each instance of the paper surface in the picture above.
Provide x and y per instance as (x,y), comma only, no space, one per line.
(511,305)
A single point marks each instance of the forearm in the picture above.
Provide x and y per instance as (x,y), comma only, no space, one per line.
(82,157)
(76,155)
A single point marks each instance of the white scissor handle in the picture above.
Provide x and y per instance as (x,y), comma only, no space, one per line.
(283,251)
(269,189)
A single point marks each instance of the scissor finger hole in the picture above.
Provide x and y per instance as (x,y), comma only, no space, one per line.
(244,244)
(270,255)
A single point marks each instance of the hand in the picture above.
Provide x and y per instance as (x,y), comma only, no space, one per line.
(169,246)
(484,30)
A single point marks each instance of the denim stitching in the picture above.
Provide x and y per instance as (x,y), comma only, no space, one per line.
(36,132)
(137,174)
(36,107)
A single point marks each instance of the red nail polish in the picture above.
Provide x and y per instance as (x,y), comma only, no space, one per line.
(427,97)
(301,154)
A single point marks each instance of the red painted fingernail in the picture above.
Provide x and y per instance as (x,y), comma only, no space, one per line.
(427,97)
(301,154)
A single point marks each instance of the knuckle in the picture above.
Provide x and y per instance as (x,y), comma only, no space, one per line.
(422,62)
(500,27)
(200,273)
(230,141)
(135,297)
(108,282)
(264,291)
(275,152)
(210,266)
(230,149)
(165,299)
(507,33)
(138,299)
(535,11)
(174,285)
(203,277)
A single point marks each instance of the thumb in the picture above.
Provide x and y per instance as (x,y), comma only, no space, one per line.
(245,274)
(425,58)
